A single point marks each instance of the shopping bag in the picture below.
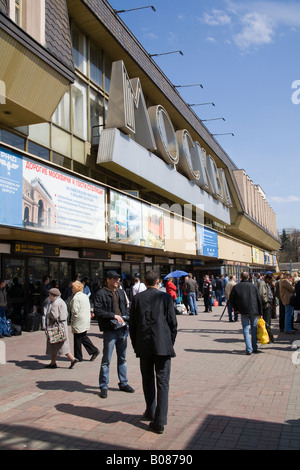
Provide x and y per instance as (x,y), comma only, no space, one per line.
(262,333)
(56,334)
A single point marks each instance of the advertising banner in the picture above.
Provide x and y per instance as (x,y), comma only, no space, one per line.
(207,242)
(37,197)
(135,223)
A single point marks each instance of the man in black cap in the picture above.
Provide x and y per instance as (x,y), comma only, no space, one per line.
(110,308)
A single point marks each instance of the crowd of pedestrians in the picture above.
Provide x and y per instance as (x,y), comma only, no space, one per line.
(145,311)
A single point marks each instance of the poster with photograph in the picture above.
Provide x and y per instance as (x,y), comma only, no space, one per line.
(135,223)
(38,197)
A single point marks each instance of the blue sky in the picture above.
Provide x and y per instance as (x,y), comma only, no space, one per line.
(246,54)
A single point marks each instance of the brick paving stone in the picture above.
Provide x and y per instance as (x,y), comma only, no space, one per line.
(220,398)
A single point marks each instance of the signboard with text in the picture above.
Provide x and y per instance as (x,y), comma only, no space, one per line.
(37,197)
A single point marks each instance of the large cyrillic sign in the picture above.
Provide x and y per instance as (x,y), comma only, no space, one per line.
(153,129)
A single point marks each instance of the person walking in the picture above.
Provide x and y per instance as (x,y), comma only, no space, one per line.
(191,288)
(207,294)
(58,313)
(246,300)
(267,297)
(3,303)
(44,299)
(220,289)
(286,291)
(153,330)
(110,307)
(171,288)
(80,309)
(229,286)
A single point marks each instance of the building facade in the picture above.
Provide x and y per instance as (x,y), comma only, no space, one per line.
(104,165)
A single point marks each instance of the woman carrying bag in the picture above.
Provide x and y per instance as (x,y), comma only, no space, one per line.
(58,314)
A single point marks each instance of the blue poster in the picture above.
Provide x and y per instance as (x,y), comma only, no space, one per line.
(207,242)
(11,174)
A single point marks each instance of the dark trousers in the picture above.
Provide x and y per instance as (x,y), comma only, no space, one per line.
(207,303)
(82,339)
(159,368)
(281,316)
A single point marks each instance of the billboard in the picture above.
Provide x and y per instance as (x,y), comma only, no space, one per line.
(135,223)
(37,197)
(207,242)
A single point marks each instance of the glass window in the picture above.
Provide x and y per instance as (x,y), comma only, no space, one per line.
(79,109)
(79,49)
(38,150)
(96,64)
(108,66)
(12,139)
(40,133)
(96,116)
(61,117)
(18,11)
(61,160)
(61,141)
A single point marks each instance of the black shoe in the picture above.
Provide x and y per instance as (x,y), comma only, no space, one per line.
(158,428)
(248,353)
(146,417)
(127,389)
(103,393)
(93,356)
(73,363)
(51,366)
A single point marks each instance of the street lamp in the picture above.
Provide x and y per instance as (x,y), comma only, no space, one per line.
(201,104)
(165,53)
(183,86)
(226,133)
(214,119)
(133,9)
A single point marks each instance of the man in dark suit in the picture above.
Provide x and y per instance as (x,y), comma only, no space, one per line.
(153,329)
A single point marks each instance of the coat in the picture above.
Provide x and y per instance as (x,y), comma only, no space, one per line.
(80,308)
(104,308)
(58,313)
(229,286)
(153,324)
(245,299)
(286,291)
(171,289)
(297,300)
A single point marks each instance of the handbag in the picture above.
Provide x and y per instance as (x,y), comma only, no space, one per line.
(56,334)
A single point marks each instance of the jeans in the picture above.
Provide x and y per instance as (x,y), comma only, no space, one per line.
(250,321)
(230,310)
(219,296)
(289,310)
(192,303)
(111,339)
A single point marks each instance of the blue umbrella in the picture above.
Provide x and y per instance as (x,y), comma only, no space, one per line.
(176,274)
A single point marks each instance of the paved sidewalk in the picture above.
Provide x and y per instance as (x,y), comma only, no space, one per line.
(220,398)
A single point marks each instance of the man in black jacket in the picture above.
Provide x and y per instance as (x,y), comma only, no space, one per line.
(246,300)
(153,329)
(110,308)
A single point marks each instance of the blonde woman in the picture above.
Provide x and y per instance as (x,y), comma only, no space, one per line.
(80,322)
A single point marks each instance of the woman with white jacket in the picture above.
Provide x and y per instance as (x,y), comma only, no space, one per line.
(80,322)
